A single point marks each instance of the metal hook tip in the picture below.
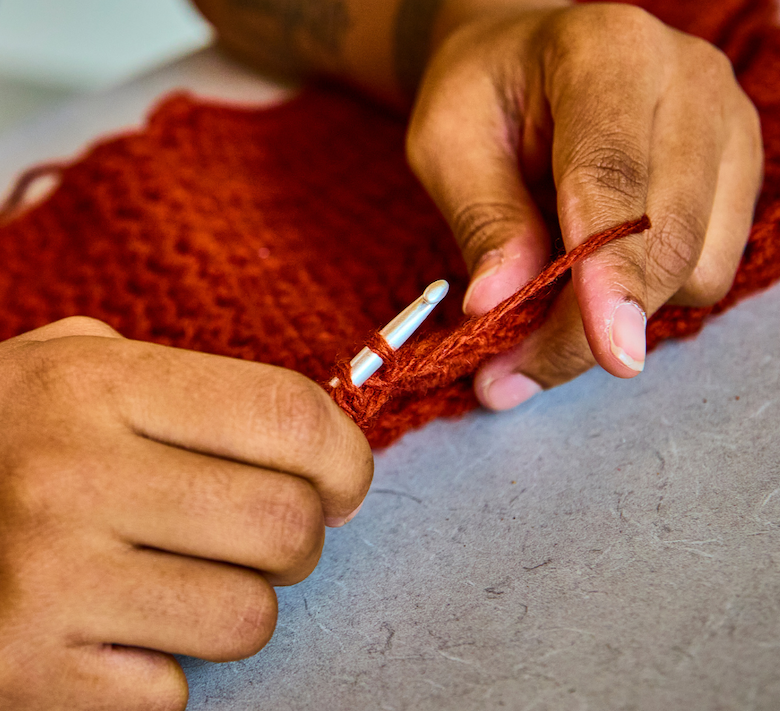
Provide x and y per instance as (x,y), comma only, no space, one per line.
(435,292)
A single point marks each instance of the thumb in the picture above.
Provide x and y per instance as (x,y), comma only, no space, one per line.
(505,245)
(463,148)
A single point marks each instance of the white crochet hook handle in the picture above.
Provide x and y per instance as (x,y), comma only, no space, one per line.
(396,333)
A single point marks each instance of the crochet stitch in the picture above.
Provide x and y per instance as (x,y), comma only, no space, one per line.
(288,234)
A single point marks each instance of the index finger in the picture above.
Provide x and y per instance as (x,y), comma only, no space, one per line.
(463,146)
(601,165)
(248,412)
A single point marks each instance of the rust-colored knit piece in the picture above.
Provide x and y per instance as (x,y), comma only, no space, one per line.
(288,235)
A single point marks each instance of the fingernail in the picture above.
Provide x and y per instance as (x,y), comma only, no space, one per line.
(487,266)
(509,391)
(333,522)
(627,335)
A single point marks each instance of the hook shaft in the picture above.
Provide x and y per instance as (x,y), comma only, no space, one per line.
(396,333)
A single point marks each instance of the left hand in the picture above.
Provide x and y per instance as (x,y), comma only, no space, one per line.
(612,114)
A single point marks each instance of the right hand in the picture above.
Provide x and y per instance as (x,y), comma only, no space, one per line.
(149,500)
(595,114)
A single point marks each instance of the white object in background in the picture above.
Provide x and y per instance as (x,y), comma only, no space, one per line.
(91,44)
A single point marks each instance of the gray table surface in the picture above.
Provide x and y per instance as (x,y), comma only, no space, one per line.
(611,545)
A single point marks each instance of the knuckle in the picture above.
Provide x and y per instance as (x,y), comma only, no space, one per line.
(435,127)
(33,483)
(611,170)
(307,418)
(319,439)
(628,18)
(674,249)
(576,34)
(425,137)
(415,146)
(316,430)
(721,65)
(628,21)
(708,72)
(293,529)
(712,64)
(253,619)
(65,369)
(86,326)
(707,285)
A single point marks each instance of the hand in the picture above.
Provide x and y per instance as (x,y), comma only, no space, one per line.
(149,500)
(598,113)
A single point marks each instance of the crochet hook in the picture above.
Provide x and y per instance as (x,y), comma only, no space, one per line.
(366,363)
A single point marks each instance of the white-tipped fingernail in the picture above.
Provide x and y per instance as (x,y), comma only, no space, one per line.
(508,391)
(627,335)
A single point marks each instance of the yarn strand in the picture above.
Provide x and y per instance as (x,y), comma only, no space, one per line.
(439,359)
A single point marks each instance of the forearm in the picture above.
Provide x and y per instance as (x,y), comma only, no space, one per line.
(380,46)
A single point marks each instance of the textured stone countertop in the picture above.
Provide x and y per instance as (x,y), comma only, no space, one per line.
(609,546)
(612,546)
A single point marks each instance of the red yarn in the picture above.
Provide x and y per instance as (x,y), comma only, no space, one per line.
(286,235)
(438,361)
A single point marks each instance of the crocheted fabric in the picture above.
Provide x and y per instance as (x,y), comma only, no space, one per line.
(289,234)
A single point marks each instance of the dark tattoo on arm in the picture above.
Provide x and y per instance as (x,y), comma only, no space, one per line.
(324,22)
(413,29)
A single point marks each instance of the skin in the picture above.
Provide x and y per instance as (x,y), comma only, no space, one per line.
(525,114)
(150,498)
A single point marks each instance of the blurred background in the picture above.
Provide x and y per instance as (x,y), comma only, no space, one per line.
(51,50)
